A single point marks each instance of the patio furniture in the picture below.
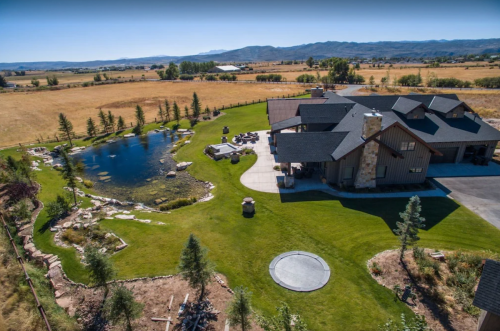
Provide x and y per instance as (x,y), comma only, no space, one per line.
(437,255)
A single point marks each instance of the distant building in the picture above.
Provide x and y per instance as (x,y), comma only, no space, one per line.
(11,85)
(487,297)
(224,69)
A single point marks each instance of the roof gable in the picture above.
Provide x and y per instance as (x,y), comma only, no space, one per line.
(283,109)
(488,291)
(444,105)
(308,146)
(405,105)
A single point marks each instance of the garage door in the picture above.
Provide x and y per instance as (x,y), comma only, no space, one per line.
(449,155)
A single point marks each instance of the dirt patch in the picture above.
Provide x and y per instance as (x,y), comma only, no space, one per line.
(444,316)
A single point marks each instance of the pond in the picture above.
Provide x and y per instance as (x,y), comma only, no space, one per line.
(134,169)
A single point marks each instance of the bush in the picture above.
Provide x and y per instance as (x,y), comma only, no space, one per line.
(186,77)
(269,78)
(488,82)
(277,168)
(375,269)
(88,183)
(211,77)
(418,253)
(306,78)
(59,207)
(73,237)
(448,82)
(177,203)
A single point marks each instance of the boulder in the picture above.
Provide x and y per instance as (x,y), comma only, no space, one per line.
(77,226)
(129,135)
(67,225)
(55,264)
(158,201)
(171,174)
(125,217)
(28,246)
(183,165)
(120,247)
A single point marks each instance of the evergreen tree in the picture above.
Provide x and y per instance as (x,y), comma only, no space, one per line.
(407,230)
(194,265)
(99,267)
(167,110)
(139,116)
(240,309)
(66,128)
(111,121)
(104,120)
(310,62)
(69,172)
(120,126)
(161,113)
(186,112)
(196,106)
(91,128)
(177,113)
(122,307)
(3,81)
(207,111)
(282,321)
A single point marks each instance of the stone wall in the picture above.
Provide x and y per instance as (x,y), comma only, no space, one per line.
(367,173)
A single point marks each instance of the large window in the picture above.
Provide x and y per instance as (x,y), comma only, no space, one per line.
(381,171)
(416,170)
(348,172)
(407,146)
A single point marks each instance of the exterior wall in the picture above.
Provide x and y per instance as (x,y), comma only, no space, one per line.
(420,112)
(351,160)
(462,145)
(398,170)
(332,172)
(488,322)
(459,111)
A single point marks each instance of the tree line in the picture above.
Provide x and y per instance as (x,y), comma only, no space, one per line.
(188,67)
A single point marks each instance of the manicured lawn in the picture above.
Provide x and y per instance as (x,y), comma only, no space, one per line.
(345,233)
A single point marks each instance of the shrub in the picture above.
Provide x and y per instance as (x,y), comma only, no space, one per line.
(248,151)
(186,77)
(277,168)
(488,82)
(73,237)
(88,183)
(418,253)
(306,78)
(177,203)
(375,269)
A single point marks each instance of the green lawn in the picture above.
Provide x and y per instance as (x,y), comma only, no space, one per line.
(345,233)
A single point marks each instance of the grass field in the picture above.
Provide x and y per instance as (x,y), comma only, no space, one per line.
(344,232)
(26,116)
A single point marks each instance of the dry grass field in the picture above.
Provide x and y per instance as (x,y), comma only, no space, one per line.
(27,115)
(485,102)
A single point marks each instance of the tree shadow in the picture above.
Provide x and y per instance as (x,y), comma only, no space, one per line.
(434,209)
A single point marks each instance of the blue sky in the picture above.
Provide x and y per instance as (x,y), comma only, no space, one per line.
(82,30)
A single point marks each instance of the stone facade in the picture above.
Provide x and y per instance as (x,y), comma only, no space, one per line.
(367,173)
(316,92)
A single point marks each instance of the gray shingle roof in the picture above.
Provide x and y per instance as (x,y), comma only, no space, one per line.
(405,105)
(488,291)
(308,146)
(283,109)
(325,113)
(291,122)
(444,105)
(335,98)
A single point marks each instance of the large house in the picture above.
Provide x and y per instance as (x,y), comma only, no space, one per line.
(365,141)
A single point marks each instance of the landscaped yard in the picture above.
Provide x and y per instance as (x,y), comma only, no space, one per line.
(345,233)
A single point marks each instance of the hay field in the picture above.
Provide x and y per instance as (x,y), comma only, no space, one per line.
(26,116)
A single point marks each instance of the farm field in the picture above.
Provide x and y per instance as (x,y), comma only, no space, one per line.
(344,232)
(27,115)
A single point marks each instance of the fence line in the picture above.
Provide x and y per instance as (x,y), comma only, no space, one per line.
(28,279)
(81,135)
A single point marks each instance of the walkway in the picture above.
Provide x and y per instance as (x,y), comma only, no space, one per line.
(263,178)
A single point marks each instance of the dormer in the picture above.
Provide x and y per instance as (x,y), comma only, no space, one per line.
(411,109)
(449,108)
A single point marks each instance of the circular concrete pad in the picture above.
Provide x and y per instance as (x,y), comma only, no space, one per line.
(300,271)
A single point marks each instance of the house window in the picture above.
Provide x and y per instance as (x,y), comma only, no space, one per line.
(348,172)
(407,146)
(415,116)
(381,171)
(416,170)
(455,115)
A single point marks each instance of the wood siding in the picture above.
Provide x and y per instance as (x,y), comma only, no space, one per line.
(460,111)
(462,145)
(419,111)
(352,160)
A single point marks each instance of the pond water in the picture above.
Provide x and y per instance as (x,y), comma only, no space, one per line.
(134,169)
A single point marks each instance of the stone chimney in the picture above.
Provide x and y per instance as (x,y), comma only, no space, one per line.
(367,172)
(316,92)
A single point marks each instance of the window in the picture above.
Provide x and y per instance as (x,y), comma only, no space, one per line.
(348,172)
(407,146)
(416,170)
(455,115)
(381,171)
(415,116)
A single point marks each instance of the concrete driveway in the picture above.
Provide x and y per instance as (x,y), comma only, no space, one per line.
(479,194)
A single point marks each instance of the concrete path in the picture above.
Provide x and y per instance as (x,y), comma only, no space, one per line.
(263,178)
(462,170)
(479,194)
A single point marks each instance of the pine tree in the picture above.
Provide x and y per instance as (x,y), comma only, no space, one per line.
(186,112)
(139,116)
(111,121)
(240,308)
(161,113)
(207,111)
(407,230)
(91,128)
(196,106)
(282,321)
(122,307)
(104,120)
(120,126)
(69,173)
(194,265)
(177,113)
(99,267)
(66,128)
(167,110)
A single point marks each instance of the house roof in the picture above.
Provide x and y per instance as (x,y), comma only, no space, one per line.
(488,291)
(283,109)
(289,123)
(335,98)
(228,68)
(405,105)
(331,113)
(308,146)
(444,105)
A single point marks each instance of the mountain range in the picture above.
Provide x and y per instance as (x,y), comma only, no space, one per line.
(320,50)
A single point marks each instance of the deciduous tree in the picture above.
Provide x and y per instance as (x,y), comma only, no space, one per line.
(66,128)
(407,230)
(310,62)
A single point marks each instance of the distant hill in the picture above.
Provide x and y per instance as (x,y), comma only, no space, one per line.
(214,51)
(429,48)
